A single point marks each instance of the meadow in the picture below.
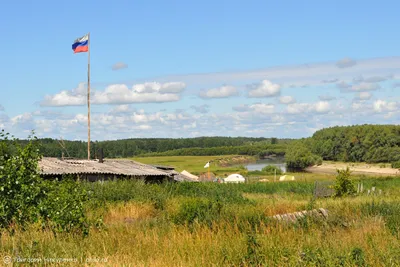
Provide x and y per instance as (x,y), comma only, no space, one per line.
(211,224)
(220,165)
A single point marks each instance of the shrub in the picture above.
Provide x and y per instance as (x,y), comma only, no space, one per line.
(26,198)
(271,169)
(63,208)
(198,210)
(344,185)
(21,189)
(396,165)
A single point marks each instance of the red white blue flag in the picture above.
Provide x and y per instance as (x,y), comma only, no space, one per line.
(81,44)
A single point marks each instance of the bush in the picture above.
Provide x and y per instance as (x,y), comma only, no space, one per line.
(298,156)
(63,208)
(271,169)
(396,165)
(26,198)
(344,185)
(198,210)
(21,188)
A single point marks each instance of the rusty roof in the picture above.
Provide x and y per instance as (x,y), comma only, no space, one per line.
(55,166)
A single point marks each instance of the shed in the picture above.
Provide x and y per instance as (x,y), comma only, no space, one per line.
(94,170)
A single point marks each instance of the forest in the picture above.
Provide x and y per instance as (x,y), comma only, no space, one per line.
(361,143)
(165,146)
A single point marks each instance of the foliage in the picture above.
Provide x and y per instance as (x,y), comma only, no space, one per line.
(298,156)
(198,210)
(272,169)
(157,146)
(396,165)
(261,150)
(63,208)
(26,198)
(344,185)
(361,143)
(21,189)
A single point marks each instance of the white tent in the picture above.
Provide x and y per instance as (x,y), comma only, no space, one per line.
(287,178)
(235,178)
(188,174)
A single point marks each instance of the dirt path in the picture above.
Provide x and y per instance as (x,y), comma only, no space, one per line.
(356,168)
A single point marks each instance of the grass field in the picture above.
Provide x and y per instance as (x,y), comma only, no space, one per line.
(210,224)
(195,164)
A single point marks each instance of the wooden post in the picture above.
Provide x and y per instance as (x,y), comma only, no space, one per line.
(208,170)
(88,97)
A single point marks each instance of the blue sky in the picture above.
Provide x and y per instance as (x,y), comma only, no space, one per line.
(196,68)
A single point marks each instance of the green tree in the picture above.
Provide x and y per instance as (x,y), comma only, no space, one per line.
(344,185)
(298,156)
(271,169)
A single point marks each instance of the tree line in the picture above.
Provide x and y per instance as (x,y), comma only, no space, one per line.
(260,150)
(359,143)
(164,146)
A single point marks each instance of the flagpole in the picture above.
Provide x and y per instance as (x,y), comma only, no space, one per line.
(88,97)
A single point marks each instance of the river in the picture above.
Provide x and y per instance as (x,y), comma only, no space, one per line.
(259,164)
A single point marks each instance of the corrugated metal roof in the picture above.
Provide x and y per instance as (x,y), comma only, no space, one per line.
(55,166)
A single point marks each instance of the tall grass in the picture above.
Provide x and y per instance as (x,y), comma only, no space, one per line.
(210,224)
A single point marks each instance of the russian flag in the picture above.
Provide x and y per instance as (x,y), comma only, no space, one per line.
(81,44)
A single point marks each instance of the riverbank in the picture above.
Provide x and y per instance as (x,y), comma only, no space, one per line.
(330,167)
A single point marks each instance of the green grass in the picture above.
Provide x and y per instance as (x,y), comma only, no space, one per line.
(211,224)
(195,164)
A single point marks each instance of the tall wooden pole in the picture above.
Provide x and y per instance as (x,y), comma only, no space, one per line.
(88,97)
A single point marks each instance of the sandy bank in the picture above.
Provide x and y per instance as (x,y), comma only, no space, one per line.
(356,168)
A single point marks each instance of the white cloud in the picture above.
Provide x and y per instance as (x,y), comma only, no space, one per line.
(322,107)
(364,95)
(287,100)
(377,79)
(343,85)
(221,92)
(145,127)
(265,89)
(241,108)
(297,108)
(260,108)
(119,66)
(151,92)
(319,107)
(346,63)
(122,109)
(296,75)
(382,106)
(365,87)
(201,109)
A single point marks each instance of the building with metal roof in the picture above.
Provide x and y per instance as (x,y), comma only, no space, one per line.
(94,170)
